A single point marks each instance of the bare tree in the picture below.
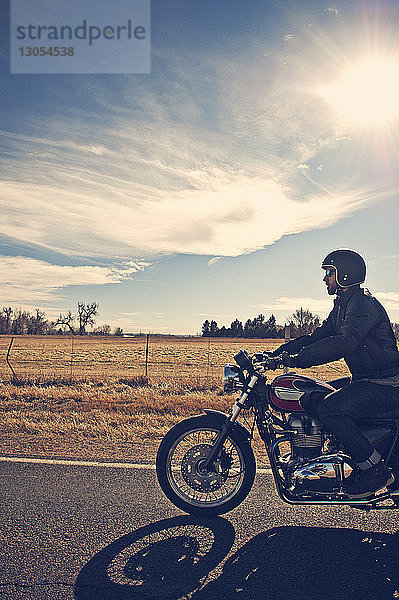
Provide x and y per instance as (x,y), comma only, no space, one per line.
(303,322)
(103,329)
(7,310)
(67,320)
(37,323)
(86,314)
(20,324)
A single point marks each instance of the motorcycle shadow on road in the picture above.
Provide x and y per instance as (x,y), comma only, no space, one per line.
(310,563)
(183,556)
(166,559)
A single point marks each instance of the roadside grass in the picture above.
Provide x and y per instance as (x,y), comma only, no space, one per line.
(103,408)
(119,418)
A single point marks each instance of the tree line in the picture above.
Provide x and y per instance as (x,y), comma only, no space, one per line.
(301,322)
(22,322)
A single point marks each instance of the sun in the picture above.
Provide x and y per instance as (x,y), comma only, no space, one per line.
(367,93)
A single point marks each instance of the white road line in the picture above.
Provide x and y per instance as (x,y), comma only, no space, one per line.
(86,463)
(76,463)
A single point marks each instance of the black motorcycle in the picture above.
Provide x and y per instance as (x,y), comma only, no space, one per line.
(206,466)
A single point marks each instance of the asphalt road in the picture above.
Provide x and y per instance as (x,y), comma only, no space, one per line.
(101,533)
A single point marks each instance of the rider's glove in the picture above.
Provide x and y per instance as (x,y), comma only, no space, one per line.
(274,363)
(284,360)
(287,360)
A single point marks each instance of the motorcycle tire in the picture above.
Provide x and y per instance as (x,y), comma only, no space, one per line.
(200,492)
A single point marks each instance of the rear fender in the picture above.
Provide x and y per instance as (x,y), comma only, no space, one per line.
(223,417)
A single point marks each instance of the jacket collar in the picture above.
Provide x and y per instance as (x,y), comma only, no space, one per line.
(343,298)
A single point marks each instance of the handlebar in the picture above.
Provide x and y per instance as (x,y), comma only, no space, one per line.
(264,360)
(244,361)
(268,362)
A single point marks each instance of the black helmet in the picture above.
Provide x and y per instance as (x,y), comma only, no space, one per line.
(349,266)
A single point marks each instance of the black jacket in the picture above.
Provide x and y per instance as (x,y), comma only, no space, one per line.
(357,329)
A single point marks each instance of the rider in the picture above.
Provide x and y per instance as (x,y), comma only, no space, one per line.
(357,329)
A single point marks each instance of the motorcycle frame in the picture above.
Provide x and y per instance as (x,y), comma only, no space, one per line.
(267,422)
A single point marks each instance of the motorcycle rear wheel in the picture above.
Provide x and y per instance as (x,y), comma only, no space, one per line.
(187,484)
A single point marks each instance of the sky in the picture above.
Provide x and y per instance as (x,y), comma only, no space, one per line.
(265,136)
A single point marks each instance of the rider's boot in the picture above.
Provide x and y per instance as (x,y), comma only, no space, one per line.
(394,486)
(370,480)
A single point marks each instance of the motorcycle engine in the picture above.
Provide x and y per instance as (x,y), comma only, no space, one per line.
(309,470)
(323,475)
(308,441)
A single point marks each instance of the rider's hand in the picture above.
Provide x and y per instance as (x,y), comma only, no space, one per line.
(274,363)
(284,360)
(287,360)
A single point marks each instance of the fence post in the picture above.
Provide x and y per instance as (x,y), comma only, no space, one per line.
(209,359)
(8,362)
(70,373)
(146,355)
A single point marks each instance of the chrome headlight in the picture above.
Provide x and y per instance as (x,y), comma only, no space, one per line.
(231,380)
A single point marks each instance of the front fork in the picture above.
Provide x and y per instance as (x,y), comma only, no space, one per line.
(235,411)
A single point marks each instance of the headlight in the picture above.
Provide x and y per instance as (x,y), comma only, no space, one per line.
(231,379)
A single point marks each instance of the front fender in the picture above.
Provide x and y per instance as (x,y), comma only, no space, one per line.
(222,417)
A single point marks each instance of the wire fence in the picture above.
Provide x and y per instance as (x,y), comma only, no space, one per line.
(156,358)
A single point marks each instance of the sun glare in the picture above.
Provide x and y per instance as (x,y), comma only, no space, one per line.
(366,94)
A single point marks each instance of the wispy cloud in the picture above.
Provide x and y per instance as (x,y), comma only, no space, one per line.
(164,176)
(390,300)
(334,10)
(28,281)
(214,260)
(285,306)
(234,215)
(288,305)
(94,149)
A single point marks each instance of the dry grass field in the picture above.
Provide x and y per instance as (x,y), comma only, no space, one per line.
(88,397)
(109,357)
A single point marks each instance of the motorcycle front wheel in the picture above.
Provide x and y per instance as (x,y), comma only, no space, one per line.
(191,487)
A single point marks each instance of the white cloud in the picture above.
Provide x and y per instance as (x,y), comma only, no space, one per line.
(390,296)
(390,300)
(287,305)
(94,149)
(27,280)
(166,177)
(158,315)
(334,10)
(284,306)
(231,215)
(214,260)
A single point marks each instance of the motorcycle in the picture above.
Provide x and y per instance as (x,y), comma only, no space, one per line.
(206,466)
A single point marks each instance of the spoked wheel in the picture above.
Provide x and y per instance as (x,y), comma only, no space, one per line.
(186,481)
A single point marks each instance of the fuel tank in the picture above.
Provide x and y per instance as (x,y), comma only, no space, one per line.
(288,392)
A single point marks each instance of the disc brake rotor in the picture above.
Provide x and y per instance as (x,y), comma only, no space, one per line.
(200,479)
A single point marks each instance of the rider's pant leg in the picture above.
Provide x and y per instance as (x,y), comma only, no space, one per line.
(340,382)
(340,410)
